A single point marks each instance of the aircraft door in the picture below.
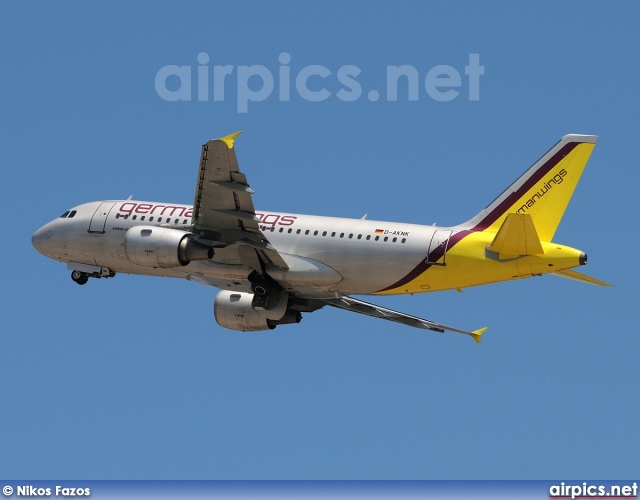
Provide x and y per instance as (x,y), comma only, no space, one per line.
(438,247)
(99,219)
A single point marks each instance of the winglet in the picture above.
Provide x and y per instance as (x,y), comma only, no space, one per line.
(478,333)
(230,139)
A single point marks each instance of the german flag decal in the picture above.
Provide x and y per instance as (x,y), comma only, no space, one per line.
(379,231)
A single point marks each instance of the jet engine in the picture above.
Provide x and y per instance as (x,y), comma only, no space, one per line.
(152,246)
(233,310)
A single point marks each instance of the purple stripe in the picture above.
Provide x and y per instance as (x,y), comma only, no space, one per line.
(516,195)
(489,219)
(431,257)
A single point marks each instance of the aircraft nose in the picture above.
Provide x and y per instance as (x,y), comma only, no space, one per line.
(35,239)
(40,238)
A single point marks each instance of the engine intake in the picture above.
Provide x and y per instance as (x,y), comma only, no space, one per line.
(233,310)
(152,246)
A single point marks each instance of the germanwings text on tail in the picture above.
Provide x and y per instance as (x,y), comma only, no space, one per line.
(273,267)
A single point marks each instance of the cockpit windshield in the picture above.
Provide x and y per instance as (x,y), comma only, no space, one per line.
(69,214)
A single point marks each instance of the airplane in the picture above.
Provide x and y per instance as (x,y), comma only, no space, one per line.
(272,267)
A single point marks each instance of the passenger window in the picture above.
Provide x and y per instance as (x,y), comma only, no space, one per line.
(324,233)
(184,221)
(176,221)
(298,231)
(159,219)
(315,233)
(394,240)
(306,232)
(289,231)
(142,218)
(281,229)
(404,239)
(333,234)
(377,238)
(351,236)
(341,235)
(368,236)
(386,238)
(117,216)
(359,236)
(150,219)
(135,217)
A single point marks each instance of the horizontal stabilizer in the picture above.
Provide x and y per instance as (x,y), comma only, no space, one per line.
(575,275)
(517,236)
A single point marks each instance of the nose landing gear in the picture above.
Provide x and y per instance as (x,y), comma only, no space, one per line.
(81,277)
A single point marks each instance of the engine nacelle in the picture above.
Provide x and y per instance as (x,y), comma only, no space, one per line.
(152,246)
(233,310)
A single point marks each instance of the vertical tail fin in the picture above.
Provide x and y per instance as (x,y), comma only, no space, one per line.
(543,191)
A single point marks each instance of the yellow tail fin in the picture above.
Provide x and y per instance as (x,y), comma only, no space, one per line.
(543,191)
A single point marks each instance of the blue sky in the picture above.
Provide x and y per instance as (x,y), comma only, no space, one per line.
(131,378)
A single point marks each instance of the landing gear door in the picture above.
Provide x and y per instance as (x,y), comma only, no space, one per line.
(99,219)
(438,247)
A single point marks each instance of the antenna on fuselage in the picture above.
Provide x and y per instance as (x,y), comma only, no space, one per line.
(130,196)
(364,217)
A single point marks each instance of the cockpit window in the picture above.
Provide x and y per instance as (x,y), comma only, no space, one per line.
(65,214)
(72,214)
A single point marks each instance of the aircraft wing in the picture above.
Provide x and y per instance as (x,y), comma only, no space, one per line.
(223,212)
(359,306)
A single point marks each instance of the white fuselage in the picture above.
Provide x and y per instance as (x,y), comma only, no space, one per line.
(347,256)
